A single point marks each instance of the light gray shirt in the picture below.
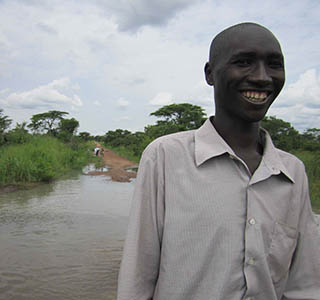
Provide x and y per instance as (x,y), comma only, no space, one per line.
(202,227)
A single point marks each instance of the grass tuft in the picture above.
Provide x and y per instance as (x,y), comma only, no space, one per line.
(42,159)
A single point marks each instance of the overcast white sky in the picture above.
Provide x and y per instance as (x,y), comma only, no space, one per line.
(110,63)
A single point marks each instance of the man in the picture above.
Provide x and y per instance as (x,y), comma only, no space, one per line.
(96,151)
(219,212)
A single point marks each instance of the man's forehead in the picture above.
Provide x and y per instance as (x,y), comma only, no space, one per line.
(250,40)
(275,53)
(251,35)
(244,37)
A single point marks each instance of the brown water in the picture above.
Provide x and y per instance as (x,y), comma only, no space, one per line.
(63,240)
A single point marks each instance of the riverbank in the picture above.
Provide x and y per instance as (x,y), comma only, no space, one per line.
(119,169)
(16,187)
(40,160)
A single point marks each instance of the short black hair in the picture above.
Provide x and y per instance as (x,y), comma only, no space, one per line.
(222,38)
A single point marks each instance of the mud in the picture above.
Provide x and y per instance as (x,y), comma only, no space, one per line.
(118,167)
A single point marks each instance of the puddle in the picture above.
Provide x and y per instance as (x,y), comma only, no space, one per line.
(92,168)
(132,169)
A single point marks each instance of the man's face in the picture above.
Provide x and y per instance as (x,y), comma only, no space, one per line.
(248,74)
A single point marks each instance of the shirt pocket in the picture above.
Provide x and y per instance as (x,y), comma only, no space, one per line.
(283,244)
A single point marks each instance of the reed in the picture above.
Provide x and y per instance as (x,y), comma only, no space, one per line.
(43,158)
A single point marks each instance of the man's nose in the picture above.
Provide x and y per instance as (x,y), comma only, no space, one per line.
(260,74)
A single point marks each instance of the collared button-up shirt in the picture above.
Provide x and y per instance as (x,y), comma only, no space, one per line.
(202,227)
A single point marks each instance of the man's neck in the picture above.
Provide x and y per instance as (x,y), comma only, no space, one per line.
(238,135)
(243,138)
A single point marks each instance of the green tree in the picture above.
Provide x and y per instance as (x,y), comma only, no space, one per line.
(118,137)
(160,129)
(311,139)
(174,118)
(67,129)
(85,136)
(126,143)
(47,122)
(139,142)
(5,123)
(99,138)
(68,125)
(186,115)
(282,133)
(18,135)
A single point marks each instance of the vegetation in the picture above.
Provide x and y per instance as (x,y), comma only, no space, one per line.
(127,144)
(54,148)
(43,158)
(311,161)
(47,122)
(4,125)
(50,152)
(180,117)
(175,118)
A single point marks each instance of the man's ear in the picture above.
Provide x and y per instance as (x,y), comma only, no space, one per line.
(209,74)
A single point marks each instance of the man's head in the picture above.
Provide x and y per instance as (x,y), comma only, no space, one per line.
(246,68)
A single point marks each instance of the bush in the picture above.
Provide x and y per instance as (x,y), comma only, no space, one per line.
(43,158)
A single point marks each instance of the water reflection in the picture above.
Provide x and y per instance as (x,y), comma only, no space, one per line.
(63,240)
(92,167)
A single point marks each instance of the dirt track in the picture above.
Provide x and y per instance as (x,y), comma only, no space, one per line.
(118,166)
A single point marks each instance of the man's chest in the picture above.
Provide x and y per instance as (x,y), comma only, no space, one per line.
(219,197)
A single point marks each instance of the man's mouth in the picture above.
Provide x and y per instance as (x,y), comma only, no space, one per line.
(256,97)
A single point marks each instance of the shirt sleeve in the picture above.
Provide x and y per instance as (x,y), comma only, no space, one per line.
(304,277)
(140,262)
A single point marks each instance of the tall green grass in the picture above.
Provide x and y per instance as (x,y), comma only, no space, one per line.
(42,159)
(311,161)
(125,152)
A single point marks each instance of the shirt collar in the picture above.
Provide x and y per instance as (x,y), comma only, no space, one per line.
(209,144)
(272,159)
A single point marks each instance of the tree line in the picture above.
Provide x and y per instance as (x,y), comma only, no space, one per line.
(43,150)
(180,117)
(45,127)
(52,123)
(171,118)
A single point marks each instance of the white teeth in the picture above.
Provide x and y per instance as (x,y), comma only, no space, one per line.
(255,95)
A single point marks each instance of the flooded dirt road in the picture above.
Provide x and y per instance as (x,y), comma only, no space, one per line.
(63,240)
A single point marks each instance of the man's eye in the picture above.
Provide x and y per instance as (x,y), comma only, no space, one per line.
(243,62)
(276,64)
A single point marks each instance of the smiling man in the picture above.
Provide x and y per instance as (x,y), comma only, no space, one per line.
(219,212)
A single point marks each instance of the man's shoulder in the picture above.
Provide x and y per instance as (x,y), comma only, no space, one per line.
(291,162)
(288,157)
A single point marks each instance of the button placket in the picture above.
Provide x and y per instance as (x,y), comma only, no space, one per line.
(250,249)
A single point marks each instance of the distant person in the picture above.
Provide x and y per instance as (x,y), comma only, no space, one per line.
(219,212)
(96,151)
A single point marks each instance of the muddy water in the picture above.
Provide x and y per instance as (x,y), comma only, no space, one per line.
(63,240)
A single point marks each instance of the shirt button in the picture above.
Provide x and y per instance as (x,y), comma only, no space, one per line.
(251,261)
(252,221)
(249,298)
